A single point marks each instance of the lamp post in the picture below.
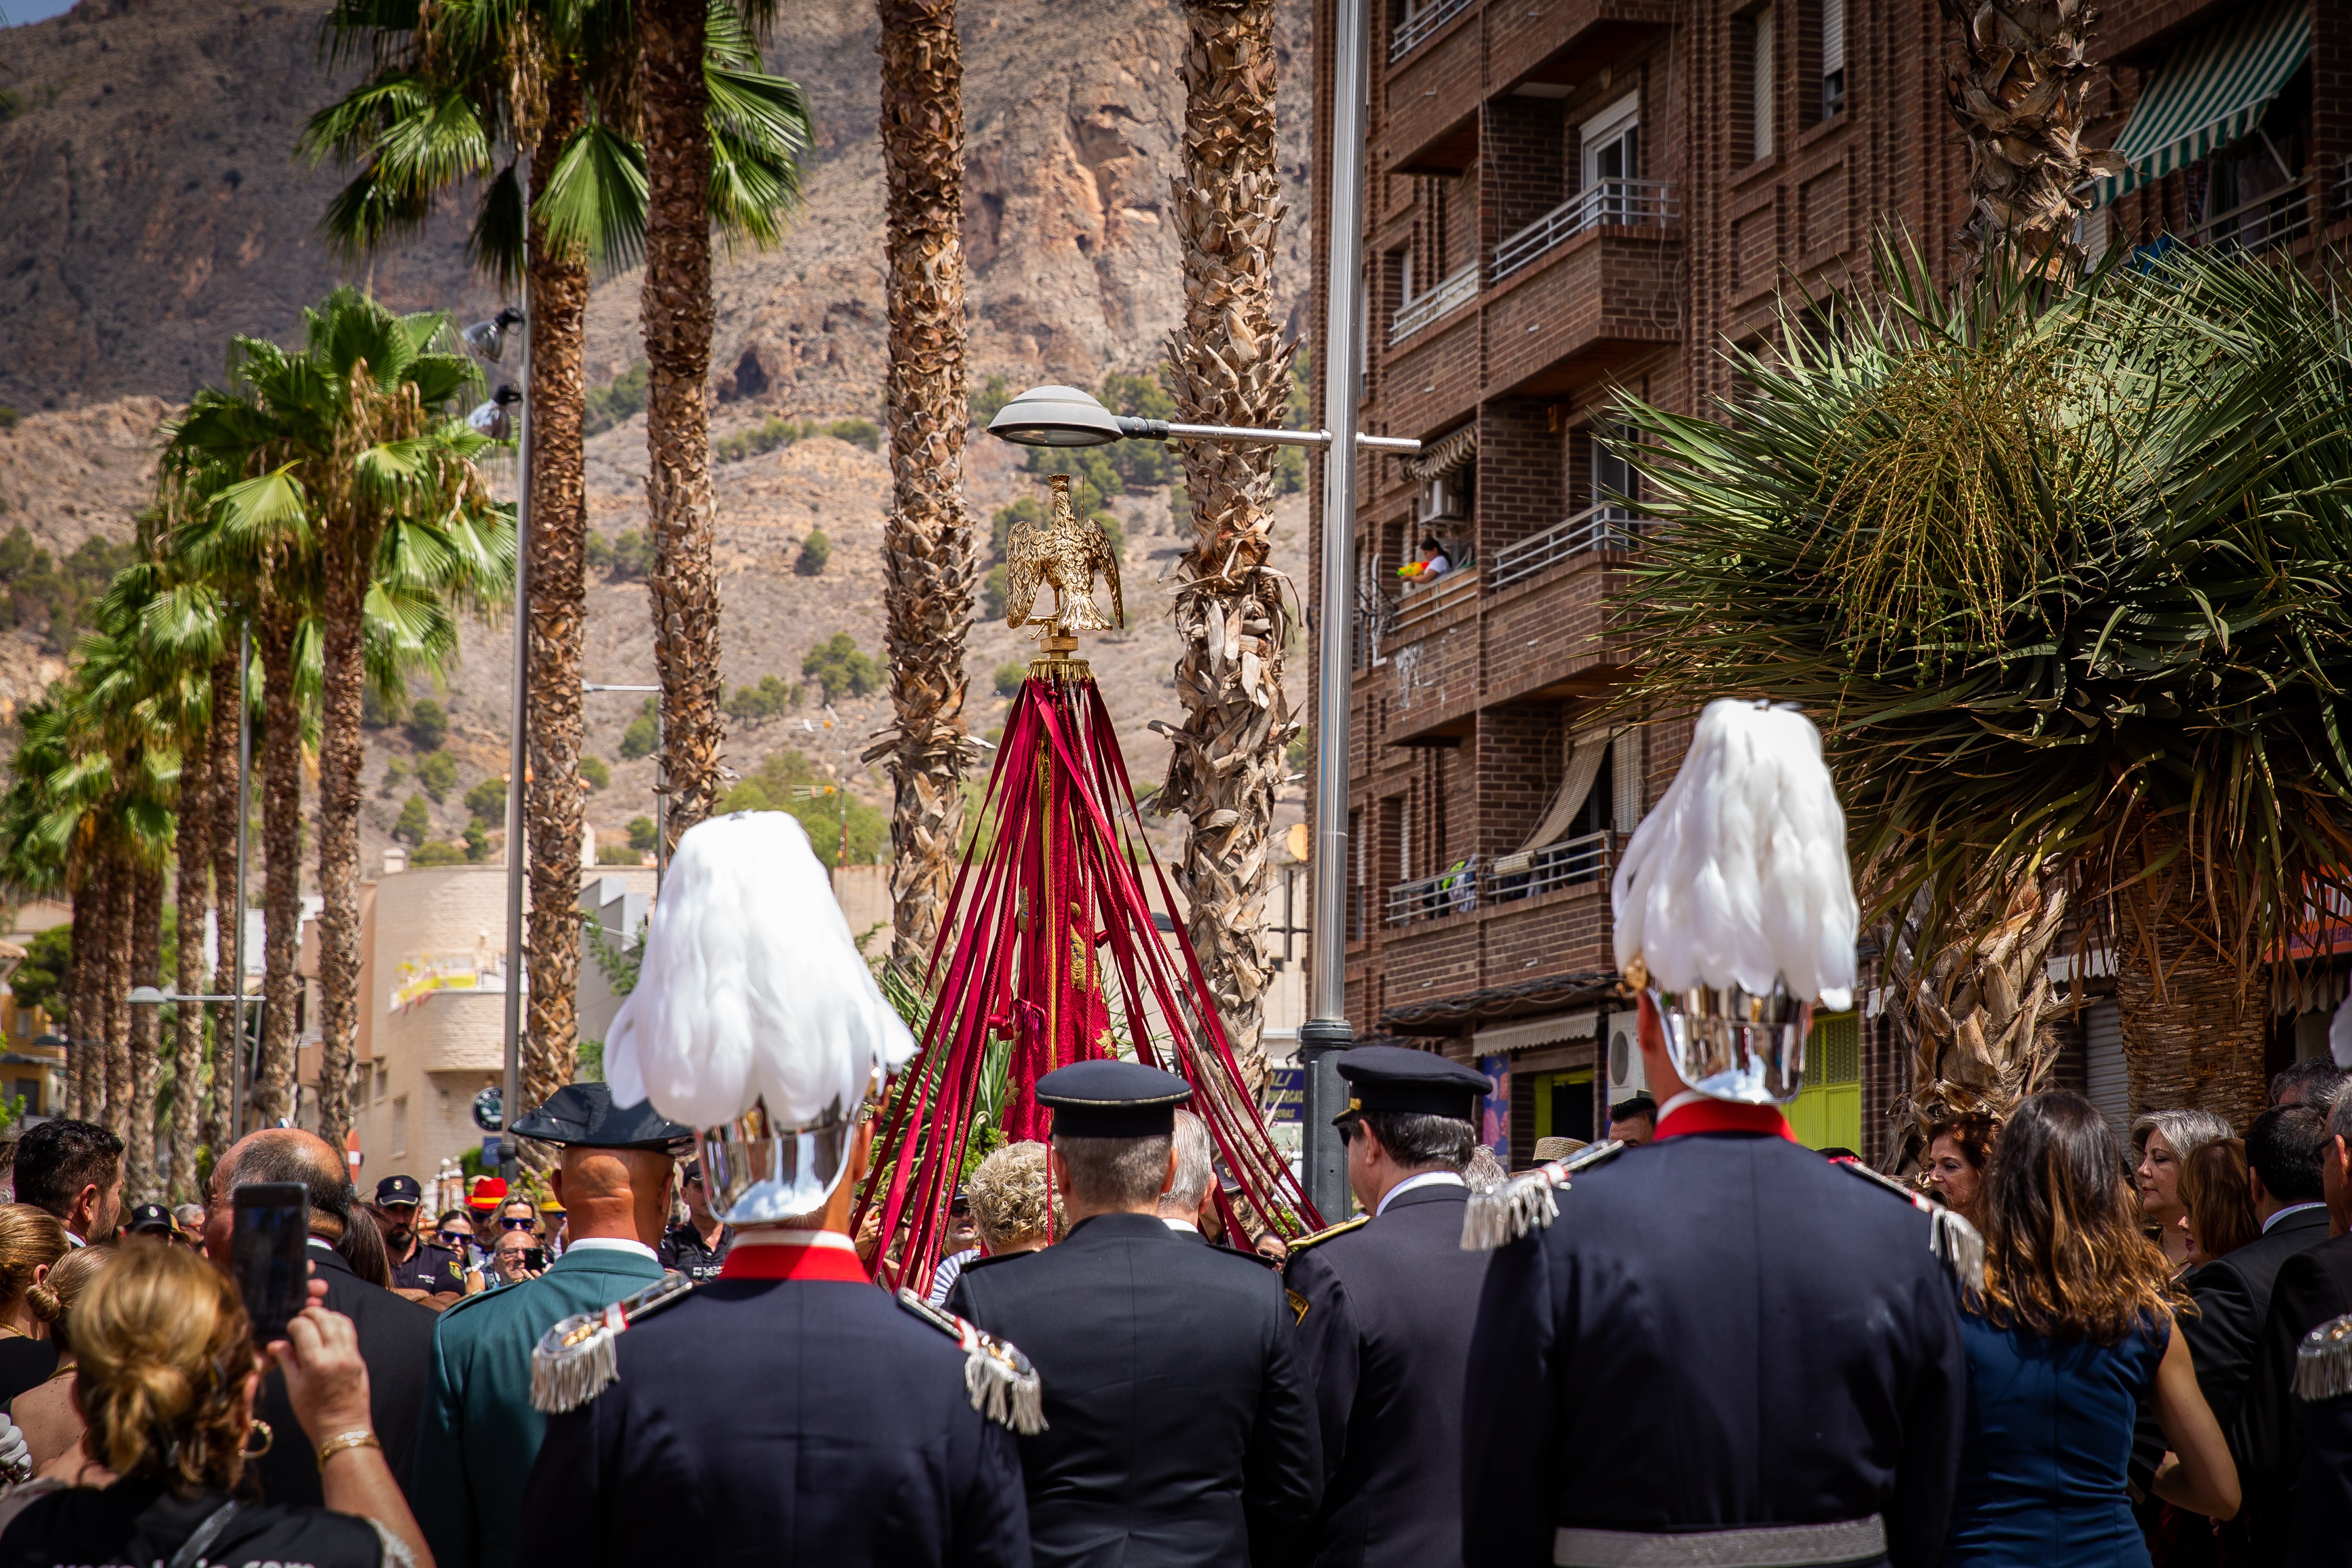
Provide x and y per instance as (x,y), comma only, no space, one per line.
(1066,416)
(238,1074)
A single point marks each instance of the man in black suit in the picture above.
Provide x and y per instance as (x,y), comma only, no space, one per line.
(2234,1292)
(1179,1425)
(396,1335)
(1385,1305)
(2295,1514)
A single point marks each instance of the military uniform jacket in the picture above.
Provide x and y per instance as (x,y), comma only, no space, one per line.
(1720,1330)
(480,1431)
(395,1339)
(2287,1450)
(1180,1428)
(1385,1312)
(801,1422)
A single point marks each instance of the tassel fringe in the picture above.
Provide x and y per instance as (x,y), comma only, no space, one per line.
(1502,1213)
(2323,1363)
(1959,1245)
(1002,1384)
(578,1359)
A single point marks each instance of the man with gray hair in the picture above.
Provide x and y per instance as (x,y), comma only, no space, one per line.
(1188,1195)
(1179,1427)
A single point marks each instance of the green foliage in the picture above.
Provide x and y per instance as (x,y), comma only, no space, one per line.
(59,597)
(477,844)
(377,713)
(787,781)
(8,415)
(992,590)
(1093,474)
(990,400)
(617,958)
(642,737)
(769,434)
(395,774)
(415,821)
(428,725)
(1008,678)
(857,433)
(439,854)
(35,982)
(840,670)
(1139,465)
(618,855)
(643,835)
(589,1058)
(438,772)
(627,556)
(616,402)
(771,698)
(488,801)
(815,551)
(594,770)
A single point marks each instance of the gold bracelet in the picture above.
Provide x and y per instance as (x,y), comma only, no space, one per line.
(360,1437)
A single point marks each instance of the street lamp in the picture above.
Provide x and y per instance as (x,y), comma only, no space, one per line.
(1068,417)
(150,997)
(489,339)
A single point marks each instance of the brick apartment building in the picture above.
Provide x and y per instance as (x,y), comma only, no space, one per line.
(1571,200)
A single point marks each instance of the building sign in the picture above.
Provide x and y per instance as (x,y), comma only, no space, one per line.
(1286,1096)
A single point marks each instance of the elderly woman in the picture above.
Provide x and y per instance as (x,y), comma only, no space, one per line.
(1959,1148)
(166,1375)
(2162,1141)
(1009,1208)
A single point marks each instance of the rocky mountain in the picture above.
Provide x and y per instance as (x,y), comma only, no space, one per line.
(146,161)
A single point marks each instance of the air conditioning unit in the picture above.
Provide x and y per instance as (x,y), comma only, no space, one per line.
(1626,1077)
(1443,499)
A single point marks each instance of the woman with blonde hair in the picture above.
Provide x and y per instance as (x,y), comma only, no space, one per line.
(31,1243)
(45,1415)
(2070,1333)
(2162,1141)
(165,1376)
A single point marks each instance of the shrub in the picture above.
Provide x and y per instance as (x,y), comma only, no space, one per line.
(415,821)
(8,415)
(594,770)
(622,400)
(395,772)
(477,844)
(438,772)
(437,854)
(990,400)
(815,551)
(992,589)
(375,713)
(643,835)
(428,725)
(787,781)
(642,737)
(618,855)
(488,801)
(857,433)
(840,670)
(628,555)
(768,699)
(1008,678)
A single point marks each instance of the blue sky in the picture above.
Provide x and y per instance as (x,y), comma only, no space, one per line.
(21,11)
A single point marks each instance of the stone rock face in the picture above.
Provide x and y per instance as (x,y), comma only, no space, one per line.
(151,223)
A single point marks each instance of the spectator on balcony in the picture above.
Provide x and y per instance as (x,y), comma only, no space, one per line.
(1431,564)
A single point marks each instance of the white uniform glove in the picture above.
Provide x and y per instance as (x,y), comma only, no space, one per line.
(15,1455)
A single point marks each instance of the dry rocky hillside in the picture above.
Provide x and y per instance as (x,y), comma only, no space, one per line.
(157,209)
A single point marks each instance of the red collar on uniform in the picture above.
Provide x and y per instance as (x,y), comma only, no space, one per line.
(770,1261)
(1711,1116)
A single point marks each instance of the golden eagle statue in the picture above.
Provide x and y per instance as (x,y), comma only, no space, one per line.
(1065,553)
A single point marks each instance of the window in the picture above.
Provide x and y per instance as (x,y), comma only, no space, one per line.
(1759,80)
(1612,154)
(1611,475)
(399,1126)
(382,1081)
(1832,58)
(1626,781)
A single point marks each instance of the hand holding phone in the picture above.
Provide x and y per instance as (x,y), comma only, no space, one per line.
(269,1254)
(534,1258)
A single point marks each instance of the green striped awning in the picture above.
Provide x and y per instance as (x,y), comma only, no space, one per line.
(2210,91)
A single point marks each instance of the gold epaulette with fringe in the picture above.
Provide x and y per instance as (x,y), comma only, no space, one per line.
(2323,1363)
(1515,1205)
(1318,1238)
(576,1360)
(1949,1237)
(1003,1383)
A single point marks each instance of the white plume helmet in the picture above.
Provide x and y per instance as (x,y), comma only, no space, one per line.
(1740,874)
(2339,1034)
(750,988)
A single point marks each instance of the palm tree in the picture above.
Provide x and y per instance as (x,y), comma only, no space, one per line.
(230,677)
(2064,590)
(2018,95)
(443,107)
(1229,366)
(927,541)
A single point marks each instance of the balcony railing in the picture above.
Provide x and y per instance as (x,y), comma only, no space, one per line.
(2270,219)
(1602,527)
(1422,24)
(1421,603)
(1531,872)
(1450,892)
(1604,201)
(1442,300)
(1376,615)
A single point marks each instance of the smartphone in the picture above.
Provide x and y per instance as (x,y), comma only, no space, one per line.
(535,1259)
(269,1254)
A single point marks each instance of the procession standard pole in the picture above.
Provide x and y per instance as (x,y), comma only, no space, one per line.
(1327,1031)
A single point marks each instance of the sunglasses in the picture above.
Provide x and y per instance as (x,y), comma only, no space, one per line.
(512,1222)
(452,1237)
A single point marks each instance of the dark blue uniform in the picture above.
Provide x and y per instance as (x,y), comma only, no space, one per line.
(1385,1311)
(1720,1330)
(1179,1425)
(784,1421)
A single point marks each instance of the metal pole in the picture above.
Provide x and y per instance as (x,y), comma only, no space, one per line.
(237,1074)
(1327,1031)
(518,759)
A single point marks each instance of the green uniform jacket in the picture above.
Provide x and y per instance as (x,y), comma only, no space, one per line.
(478,1434)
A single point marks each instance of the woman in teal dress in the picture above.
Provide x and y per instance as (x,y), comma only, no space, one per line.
(2072,1329)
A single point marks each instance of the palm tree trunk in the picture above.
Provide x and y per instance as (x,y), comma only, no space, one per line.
(122,919)
(558,587)
(82,1029)
(2194,1029)
(2018,96)
(192,886)
(342,753)
(228,707)
(1972,1013)
(927,541)
(146,1023)
(281,839)
(1228,367)
(676,313)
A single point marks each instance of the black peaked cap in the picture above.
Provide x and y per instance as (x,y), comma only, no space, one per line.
(1392,1078)
(1112,1099)
(583,1116)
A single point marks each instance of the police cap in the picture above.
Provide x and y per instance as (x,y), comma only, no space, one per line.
(1110,1098)
(395,1191)
(583,1116)
(1390,1077)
